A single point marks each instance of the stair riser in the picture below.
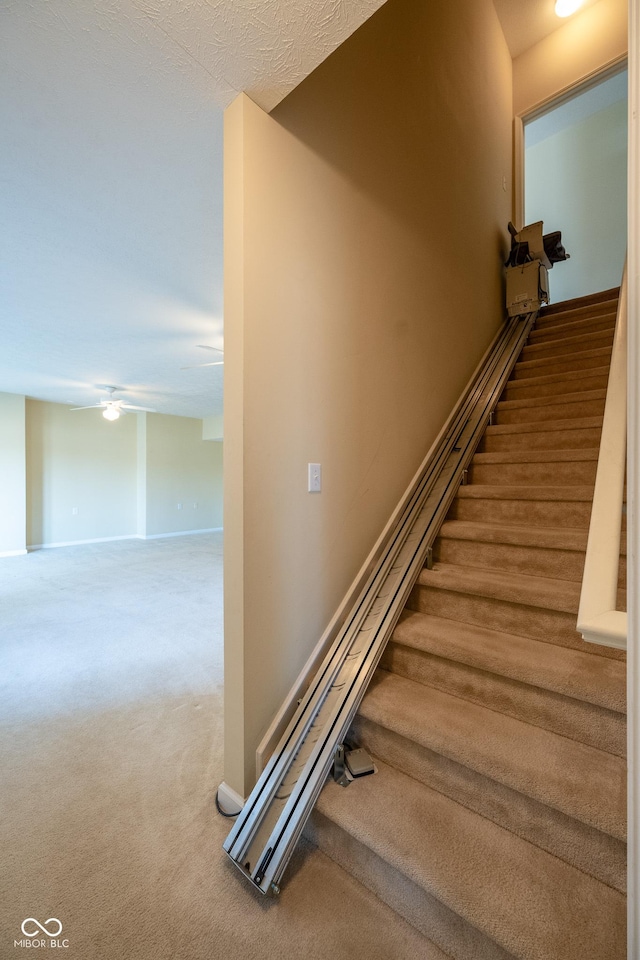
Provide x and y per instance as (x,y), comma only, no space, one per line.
(554,473)
(552,562)
(587,360)
(568,717)
(584,847)
(563,410)
(572,673)
(566,347)
(424,912)
(548,513)
(512,558)
(579,439)
(572,328)
(516,391)
(551,626)
(550,318)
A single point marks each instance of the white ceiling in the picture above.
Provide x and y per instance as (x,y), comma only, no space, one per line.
(111,179)
(111,182)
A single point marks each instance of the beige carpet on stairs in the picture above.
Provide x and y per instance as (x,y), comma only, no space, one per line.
(496,822)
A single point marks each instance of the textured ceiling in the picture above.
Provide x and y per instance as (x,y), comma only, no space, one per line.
(111,179)
(111,182)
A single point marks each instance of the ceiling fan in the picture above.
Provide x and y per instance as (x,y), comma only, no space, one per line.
(112,408)
(212,363)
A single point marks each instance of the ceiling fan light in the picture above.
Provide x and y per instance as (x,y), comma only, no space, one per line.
(111,413)
(564,8)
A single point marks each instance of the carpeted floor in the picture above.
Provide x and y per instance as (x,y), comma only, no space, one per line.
(111,753)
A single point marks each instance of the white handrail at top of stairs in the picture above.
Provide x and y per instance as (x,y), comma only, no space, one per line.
(598,620)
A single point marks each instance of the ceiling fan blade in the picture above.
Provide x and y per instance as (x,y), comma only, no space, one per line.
(216,363)
(92,406)
(130,406)
(204,346)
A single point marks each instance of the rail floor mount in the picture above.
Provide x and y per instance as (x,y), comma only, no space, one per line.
(271,822)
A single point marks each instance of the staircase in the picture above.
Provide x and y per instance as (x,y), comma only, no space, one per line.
(496,822)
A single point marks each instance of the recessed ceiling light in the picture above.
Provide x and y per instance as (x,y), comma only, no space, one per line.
(564,8)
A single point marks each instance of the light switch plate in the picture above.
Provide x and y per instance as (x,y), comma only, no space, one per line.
(315,478)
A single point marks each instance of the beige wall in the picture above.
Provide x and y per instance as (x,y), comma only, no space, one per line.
(589,41)
(364,233)
(182,469)
(13,523)
(79,461)
(89,479)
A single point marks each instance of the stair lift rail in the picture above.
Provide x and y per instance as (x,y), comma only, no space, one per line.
(273,818)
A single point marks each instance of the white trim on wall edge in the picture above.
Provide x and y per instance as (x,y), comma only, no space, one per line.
(229,800)
(180,533)
(12,553)
(129,536)
(633,490)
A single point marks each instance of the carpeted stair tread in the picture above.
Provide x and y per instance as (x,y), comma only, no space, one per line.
(549,455)
(534,550)
(497,882)
(605,301)
(571,673)
(582,423)
(581,396)
(543,409)
(428,915)
(550,626)
(576,360)
(531,704)
(532,436)
(555,562)
(562,595)
(545,334)
(590,850)
(564,346)
(560,537)
(572,343)
(494,491)
(556,384)
(515,510)
(505,749)
(534,467)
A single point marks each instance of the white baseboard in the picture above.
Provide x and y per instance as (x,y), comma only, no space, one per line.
(12,553)
(78,543)
(130,536)
(229,800)
(180,533)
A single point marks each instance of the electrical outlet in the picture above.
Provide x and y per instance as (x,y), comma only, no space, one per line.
(195,506)
(179,506)
(74,511)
